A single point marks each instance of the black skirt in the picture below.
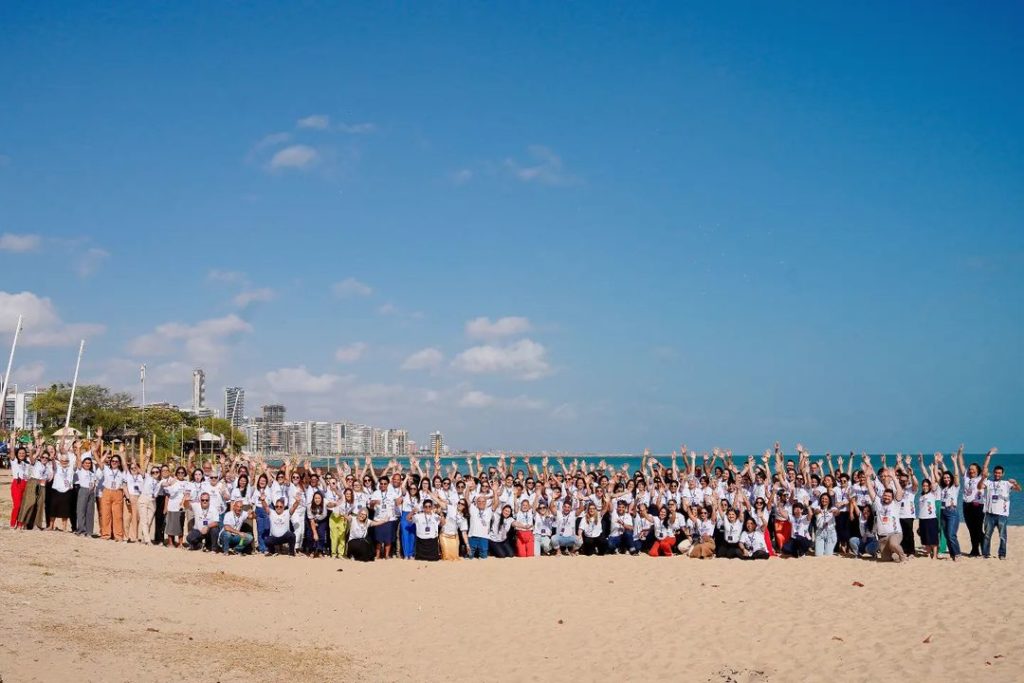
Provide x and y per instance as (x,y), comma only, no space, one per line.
(427,549)
(360,550)
(59,504)
(928,531)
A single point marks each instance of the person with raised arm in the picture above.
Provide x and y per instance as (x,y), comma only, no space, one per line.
(949,500)
(704,529)
(206,525)
(973,504)
(996,494)
(928,510)
(908,510)
(886,508)
(281,533)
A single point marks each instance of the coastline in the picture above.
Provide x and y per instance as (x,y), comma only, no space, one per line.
(194,616)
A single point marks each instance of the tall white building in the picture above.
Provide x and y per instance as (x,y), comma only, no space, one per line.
(396,442)
(437,443)
(198,390)
(234,406)
(18,413)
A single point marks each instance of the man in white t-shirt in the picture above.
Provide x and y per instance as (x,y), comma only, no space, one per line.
(480,514)
(205,527)
(996,494)
(887,516)
(232,538)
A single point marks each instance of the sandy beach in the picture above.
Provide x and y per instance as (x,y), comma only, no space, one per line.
(91,610)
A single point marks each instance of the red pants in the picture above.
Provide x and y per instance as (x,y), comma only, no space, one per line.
(524,543)
(783,530)
(17,491)
(768,542)
(662,548)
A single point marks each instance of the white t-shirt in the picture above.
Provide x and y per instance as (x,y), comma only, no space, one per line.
(175,495)
(479,521)
(887,518)
(753,541)
(732,531)
(566,524)
(997,497)
(203,517)
(801,526)
(357,529)
(949,496)
(591,528)
(971,493)
(907,504)
(426,525)
(928,505)
(280,523)
(236,521)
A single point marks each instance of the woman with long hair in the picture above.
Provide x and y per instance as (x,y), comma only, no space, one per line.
(174,519)
(86,478)
(60,500)
(361,548)
(338,523)
(134,480)
(497,537)
(19,477)
(112,492)
(317,532)
(825,513)
(257,496)
(949,497)
(410,504)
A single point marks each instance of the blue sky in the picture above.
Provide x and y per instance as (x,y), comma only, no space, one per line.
(580,226)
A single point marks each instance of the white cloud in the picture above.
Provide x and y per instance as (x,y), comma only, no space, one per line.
(226,276)
(387,309)
(525,359)
(300,381)
(315,121)
(545,168)
(479,399)
(357,128)
(424,359)
(29,374)
(484,328)
(250,296)
(42,325)
(91,261)
(205,341)
(351,352)
(351,287)
(19,243)
(476,399)
(462,176)
(294,156)
(272,140)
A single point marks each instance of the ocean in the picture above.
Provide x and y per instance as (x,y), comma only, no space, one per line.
(1012,462)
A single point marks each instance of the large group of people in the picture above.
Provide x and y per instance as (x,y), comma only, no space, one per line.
(696,505)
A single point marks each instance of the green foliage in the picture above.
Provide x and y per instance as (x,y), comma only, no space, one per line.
(96,406)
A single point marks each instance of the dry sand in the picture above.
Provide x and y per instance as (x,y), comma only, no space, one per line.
(89,610)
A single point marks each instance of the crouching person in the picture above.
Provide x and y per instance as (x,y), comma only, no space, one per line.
(206,527)
(232,538)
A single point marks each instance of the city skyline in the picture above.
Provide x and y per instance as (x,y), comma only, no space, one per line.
(566,228)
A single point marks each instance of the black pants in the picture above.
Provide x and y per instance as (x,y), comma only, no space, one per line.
(196,539)
(974,518)
(757,555)
(797,546)
(159,521)
(499,549)
(907,527)
(728,550)
(274,543)
(594,546)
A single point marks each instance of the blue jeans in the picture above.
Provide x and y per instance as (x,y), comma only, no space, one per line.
(239,541)
(478,547)
(262,528)
(565,542)
(950,521)
(868,547)
(825,542)
(993,522)
(621,543)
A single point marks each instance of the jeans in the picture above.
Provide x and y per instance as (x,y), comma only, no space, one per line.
(950,521)
(239,541)
(622,543)
(262,529)
(993,522)
(825,542)
(274,543)
(867,547)
(565,542)
(478,547)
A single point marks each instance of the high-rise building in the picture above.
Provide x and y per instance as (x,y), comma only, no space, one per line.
(436,443)
(234,406)
(18,413)
(339,444)
(396,442)
(273,424)
(198,390)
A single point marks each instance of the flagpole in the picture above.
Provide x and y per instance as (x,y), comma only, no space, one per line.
(7,374)
(74,385)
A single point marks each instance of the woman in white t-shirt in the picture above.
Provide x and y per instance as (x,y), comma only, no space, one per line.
(591,532)
(497,537)
(59,499)
(452,530)
(428,527)
(175,489)
(949,507)
(927,519)
(523,523)
(360,547)
(753,545)
(825,537)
